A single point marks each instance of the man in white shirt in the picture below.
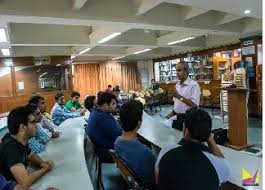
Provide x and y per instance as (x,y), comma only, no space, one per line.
(187,95)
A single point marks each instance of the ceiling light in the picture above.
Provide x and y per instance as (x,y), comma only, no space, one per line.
(145,50)
(182,40)
(73,56)
(84,51)
(3,37)
(5,52)
(58,65)
(107,38)
(118,57)
(247,11)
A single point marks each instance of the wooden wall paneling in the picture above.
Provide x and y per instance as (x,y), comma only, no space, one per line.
(7,103)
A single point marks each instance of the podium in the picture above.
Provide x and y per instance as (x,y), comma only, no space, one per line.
(237,118)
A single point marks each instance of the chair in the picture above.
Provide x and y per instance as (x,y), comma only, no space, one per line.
(127,173)
(92,151)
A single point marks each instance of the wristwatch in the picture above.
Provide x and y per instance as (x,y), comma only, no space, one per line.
(181,99)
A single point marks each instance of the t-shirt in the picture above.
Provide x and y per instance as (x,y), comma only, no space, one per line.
(138,157)
(6,185)
(102,129)
(71,104)
(12,152)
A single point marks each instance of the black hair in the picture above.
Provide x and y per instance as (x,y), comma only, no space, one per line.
(35,99)
(116,90)
(131,113)
(33,107)
(17,116)
(75,94)
(109,86)
(199,124)
(89,102)
(58,95)
(105,97)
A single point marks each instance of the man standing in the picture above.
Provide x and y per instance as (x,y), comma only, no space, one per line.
(60,113)
(15,153)
(193,165)
(187,95)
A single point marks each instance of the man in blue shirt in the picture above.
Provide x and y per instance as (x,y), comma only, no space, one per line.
(102,128)
(60,113)
(138,156)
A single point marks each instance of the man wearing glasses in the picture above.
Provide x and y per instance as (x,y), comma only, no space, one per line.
(15,153)
(187,95)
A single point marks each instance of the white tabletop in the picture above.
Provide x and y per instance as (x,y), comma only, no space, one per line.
(162,136)
(67,152)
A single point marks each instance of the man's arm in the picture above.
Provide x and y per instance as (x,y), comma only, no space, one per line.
(171,114)
(194,100)
(24,178)
(213,147)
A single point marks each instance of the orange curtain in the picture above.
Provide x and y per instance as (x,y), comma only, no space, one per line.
(89,79)
(86,79)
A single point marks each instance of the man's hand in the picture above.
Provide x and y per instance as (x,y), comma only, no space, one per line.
(177,95)
(210,140)
(55,135)
(48,165)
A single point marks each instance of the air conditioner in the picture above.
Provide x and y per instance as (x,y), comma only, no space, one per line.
(42,61)
(47,83)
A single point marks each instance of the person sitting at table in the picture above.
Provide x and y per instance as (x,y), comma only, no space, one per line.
(116,92)
(138,156)
(45,122)
(59,112)
(15,152)
(37,143)
(109,89)
(90,103)
(102,128)
(74,104)
(193,165)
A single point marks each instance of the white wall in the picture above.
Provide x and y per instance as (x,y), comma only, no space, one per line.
(146,72)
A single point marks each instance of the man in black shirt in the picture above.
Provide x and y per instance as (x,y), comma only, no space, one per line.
(15,153)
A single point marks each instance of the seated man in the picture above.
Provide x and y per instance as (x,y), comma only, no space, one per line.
(45,122)
(36,143)
(15,153)
(90,103)
(138,156)
(102,128)
(74,104)
(109,89)
(193,165)
(60,113)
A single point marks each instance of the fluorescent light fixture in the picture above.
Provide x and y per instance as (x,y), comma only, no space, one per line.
(84,51)
(145,50)
(3,37)
(109,37)
(118,57)
(73,56)
(182,40)
(247,11)
(58,65)
(5,52)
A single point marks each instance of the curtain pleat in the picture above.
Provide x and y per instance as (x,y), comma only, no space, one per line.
(89,79)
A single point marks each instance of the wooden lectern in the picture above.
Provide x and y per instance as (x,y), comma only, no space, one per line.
(237,118)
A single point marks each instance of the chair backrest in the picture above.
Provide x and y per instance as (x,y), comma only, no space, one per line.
(206,93)
(126,172)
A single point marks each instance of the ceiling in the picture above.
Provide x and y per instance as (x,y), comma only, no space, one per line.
(67,27)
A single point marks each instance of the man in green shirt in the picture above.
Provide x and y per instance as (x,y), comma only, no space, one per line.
(74,104)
